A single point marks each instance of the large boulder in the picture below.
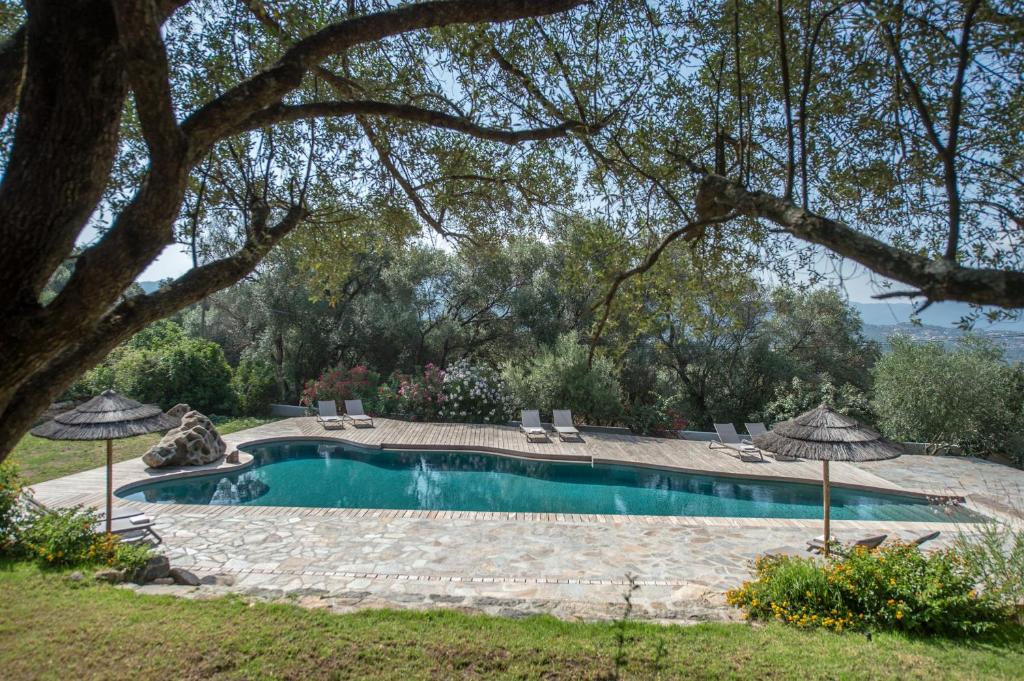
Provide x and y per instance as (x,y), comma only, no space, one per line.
(178,411)
(194,443)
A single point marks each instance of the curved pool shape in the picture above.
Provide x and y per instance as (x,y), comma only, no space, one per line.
(322,474)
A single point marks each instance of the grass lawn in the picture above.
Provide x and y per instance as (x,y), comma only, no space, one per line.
(39,459)
(53,628)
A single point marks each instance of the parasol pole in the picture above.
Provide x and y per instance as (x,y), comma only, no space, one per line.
(825,500)
(110,484)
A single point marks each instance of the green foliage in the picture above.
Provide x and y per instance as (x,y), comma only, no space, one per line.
(994,554)
(63,537)
(163,365)
(255,386)
(966,397)
(896,587)
(801,396)
(11,485)
(189,370)
(129,557)
(558,377)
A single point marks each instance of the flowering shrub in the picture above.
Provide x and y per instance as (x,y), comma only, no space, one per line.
(10,515)
(64,537)
(656,419)
(895,587)
(341,384)
(423,396)
(473,394)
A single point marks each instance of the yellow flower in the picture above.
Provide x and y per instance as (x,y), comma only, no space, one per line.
(892,582)
(899,614)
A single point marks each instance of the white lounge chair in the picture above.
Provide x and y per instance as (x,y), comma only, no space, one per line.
(754,429)
(562,423)
(354,413)
(730,439)
(529,423)
(328,415)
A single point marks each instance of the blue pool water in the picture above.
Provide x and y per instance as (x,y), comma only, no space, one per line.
(322,474)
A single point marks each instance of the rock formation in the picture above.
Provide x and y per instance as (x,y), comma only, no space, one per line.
(193,443)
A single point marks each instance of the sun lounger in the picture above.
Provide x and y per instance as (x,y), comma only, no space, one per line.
(354,413)
(755,429)
(925,538)
(530,425)
(817,545)
(730,439)
(328,415)
(132,527)
(562,423)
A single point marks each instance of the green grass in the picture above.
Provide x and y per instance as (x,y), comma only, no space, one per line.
(53,628)
(39,459)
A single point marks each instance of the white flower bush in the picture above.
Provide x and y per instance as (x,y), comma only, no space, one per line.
(473,394)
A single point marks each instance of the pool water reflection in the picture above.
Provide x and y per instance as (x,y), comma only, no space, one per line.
(327,474)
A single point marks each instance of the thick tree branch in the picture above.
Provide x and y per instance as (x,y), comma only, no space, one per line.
(265,89)
(138,26)
(283,113)
(12,71)
(938,279)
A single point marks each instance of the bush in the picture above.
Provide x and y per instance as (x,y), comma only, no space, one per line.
(800,396)
(255,386)
(10,511)
(189,370)
(473,394)
(967,397)
(129,557)
(994,555)
(422,396)
(63,537)
(558,377)
(896,587)
(341,384)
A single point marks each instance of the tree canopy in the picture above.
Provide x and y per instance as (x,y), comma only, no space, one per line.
(718,137)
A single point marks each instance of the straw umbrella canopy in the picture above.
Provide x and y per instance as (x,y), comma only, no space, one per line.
(109,417)
(822,434)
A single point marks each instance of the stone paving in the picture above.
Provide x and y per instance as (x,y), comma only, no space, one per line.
(512,564)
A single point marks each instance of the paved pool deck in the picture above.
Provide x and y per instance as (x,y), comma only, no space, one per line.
(572,566)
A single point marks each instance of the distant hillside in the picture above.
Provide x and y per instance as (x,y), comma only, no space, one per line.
(1011,341)
(149,286)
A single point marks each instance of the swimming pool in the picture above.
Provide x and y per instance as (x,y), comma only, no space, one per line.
(327,474)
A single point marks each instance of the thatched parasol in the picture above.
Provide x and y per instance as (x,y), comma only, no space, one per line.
(823,434)
(107,417)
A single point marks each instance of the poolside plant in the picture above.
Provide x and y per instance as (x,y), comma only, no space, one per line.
(10,512)
(896,587)
(61,537)
(422,395)
(341,383)
(994,554)
(473,394)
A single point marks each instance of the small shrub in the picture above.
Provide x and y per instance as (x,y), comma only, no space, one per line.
(255,386)
(473,394)
(10,512)
(560,377)
(798,396)
(129,557)
(896,587)
(994,555)
(422,397)
(341,384)
(63,537)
